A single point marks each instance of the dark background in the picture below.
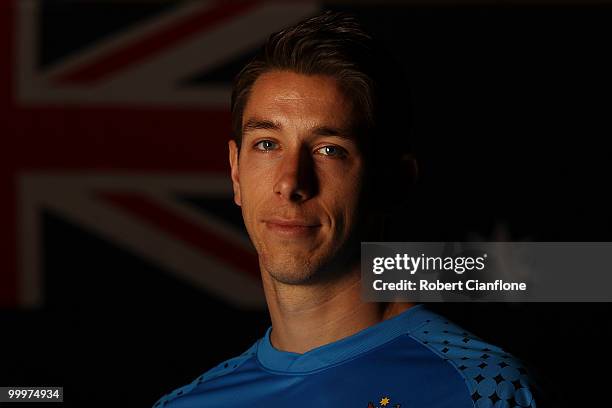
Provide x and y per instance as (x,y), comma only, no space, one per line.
(511,128)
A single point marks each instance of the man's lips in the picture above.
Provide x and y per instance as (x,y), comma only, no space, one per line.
(291,227)
(292,222)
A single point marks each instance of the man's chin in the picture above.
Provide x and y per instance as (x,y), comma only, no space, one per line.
(290,271)
(308,271)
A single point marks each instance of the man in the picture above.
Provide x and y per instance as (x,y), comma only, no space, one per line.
(317,149)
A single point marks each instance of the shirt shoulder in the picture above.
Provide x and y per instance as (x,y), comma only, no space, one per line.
(493,377)
(222,369)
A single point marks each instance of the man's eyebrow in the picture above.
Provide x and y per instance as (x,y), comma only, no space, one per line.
(255,124)
(344,133)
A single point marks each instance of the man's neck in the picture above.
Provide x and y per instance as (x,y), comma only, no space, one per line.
(306,317)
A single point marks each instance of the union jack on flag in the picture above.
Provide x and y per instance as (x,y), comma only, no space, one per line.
(116,122)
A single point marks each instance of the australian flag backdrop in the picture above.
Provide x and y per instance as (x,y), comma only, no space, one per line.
(125,269)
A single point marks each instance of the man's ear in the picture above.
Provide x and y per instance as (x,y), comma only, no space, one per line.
(408,173)
(410,168)
(395,184)
(233,159)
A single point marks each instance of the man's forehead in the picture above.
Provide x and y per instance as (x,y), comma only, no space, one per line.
(314,100)
(292,85)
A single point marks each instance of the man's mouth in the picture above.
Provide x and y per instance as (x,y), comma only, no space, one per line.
(292,227)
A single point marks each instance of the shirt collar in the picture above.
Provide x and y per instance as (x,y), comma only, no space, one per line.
(343,349)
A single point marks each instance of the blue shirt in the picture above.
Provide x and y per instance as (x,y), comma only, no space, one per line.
(416,359)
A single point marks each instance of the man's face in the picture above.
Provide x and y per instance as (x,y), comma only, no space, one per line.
(298,177)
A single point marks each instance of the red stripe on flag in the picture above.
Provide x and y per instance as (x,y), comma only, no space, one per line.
(144,207)
(9,289)
(165,140)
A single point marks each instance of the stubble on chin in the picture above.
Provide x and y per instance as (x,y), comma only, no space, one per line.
(305,269)
(289,269)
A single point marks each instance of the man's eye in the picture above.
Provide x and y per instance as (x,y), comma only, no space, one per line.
(266,145)
(334,151)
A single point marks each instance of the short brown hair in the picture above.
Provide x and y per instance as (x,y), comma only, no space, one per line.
(336,44)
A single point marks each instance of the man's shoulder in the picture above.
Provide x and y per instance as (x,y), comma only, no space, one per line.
(491,374)
(224,368)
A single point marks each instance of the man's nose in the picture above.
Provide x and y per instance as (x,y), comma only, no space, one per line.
(296,179)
